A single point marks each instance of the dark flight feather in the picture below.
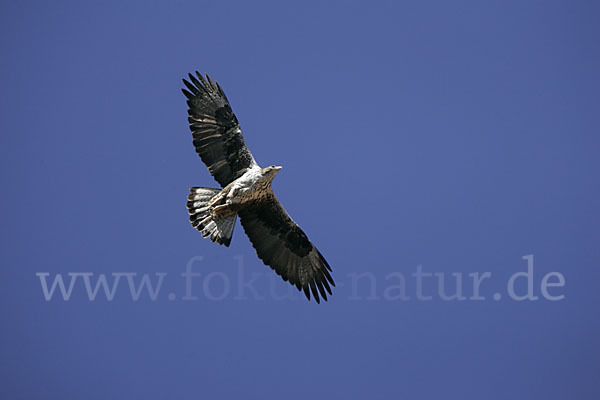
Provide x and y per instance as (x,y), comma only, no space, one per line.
(216,131)
(283,246)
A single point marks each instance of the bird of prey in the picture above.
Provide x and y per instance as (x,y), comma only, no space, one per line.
(246,191)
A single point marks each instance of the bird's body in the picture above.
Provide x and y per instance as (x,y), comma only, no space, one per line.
(246,193)
(252,187)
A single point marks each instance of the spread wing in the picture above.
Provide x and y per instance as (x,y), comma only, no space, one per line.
(283,246)
(217,135)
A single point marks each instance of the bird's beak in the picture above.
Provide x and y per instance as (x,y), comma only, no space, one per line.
(277,168)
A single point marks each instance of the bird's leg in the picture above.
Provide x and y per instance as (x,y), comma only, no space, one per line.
(225,196)
(220,205)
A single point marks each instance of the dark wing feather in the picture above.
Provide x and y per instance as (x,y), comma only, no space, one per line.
(283,246)
(217,135)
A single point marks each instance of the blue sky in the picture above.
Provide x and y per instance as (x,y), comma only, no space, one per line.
(455,136)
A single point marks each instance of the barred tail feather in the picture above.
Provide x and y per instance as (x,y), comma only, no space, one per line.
(219,230)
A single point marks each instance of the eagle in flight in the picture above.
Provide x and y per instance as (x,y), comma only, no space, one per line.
(277,239)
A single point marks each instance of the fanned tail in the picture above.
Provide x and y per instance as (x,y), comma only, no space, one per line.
(217,230)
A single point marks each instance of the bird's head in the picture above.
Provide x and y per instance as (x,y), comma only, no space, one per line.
(270,171)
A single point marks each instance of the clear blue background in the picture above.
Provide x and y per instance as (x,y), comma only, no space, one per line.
(457,135)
